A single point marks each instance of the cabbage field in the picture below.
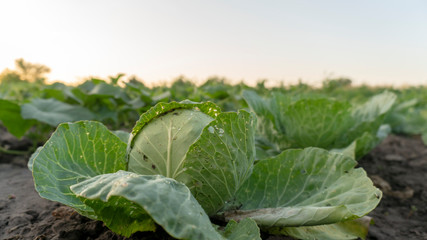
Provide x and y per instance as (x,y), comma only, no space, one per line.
(115,159)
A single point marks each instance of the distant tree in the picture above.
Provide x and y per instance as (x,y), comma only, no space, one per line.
(32,72)
(8,76)
(25,71)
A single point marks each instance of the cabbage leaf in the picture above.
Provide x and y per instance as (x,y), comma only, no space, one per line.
(286,123)
(204,166)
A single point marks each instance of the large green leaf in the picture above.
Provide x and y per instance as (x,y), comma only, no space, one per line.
(167,201)
(10,116)
(54,112)
(317,123)
(161,108)
(106,90)
(408,117)
(159,147)
(258,105)
(367,119)
(74,153)
(377,106)
(32,157)
(367,129)
(243,230)
(60,92)
(365,143)
(269,113)
(221,159)
(305,187)
(352,229)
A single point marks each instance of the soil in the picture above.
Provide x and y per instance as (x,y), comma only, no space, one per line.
(398,166)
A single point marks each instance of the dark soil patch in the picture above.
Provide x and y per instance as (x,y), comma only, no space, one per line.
(400,162)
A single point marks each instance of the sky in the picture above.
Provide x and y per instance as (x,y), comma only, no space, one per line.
(371,42)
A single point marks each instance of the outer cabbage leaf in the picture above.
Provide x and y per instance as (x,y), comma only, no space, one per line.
(106,90)
(54,112)
(368,130)
(269,113)
(259,105)
(167,201)
(32,157)
(10,116)
(375,107)
(221,160)
(74,153)
(365,143)
(352,229)
(304,188)
(244,230)
(408,117)
(319,122)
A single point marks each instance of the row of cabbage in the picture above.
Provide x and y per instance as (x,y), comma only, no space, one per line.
(118,103)
(286,164)
(34,109)
(185,163)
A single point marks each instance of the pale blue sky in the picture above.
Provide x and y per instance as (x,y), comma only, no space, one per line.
(375,42)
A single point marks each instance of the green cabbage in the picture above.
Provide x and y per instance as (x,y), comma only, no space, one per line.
(286,123)
(185,163)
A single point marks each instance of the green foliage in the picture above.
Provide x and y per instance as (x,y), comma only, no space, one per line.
(167,201)
(10,116)
(244,230)
(208,157)
(334,84)
(351,229)
(175,141)
(304,188)
(199,160)
(299,122)
(54,112)
(74,153)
